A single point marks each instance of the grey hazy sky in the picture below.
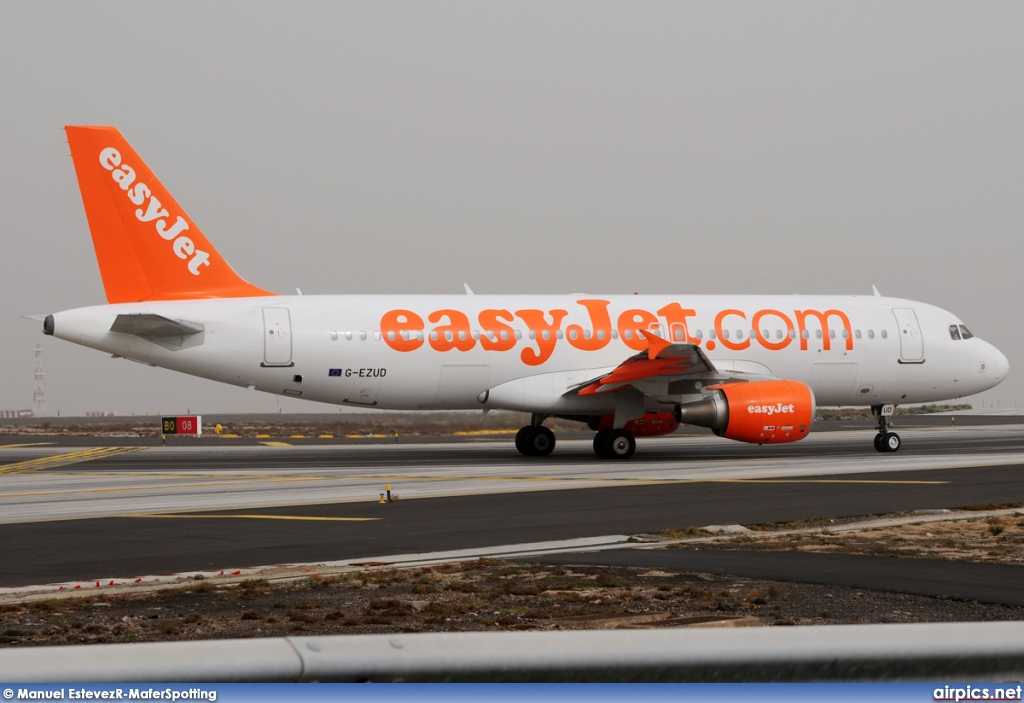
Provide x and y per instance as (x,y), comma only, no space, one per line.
(381,147)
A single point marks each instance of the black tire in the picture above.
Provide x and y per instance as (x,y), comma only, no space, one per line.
(522,443)
(599,444)
(541,441)
(619,445)
(878,442)
(892,442)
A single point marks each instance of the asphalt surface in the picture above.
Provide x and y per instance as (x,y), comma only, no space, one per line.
(984,583)
(126,546)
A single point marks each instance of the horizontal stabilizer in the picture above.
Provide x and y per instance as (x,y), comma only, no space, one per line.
(147,325)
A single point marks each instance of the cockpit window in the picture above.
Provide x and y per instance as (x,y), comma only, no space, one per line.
(965,332)
(954,332)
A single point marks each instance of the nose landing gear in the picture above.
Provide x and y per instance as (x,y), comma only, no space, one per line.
(885,441)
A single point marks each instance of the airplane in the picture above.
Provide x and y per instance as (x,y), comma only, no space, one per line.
(752,368)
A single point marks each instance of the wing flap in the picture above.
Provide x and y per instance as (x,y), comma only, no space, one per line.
(661,358)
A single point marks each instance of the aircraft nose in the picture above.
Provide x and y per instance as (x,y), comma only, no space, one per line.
(1000,365)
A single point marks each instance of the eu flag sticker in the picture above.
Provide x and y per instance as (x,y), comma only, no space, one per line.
(334,372)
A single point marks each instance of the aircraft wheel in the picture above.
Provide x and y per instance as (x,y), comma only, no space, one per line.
(540,441)
(521,441)
(599,444)
(878,442)
(619,445)
(891,442)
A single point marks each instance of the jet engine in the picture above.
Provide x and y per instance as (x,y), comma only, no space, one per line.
(759,412)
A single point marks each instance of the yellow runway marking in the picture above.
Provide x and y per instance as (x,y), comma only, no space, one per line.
(28,444)
(58,460)
(202,516)
(276,444)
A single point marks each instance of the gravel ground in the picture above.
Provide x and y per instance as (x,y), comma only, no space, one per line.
(498,595)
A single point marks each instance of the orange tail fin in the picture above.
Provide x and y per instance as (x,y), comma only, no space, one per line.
(147,247)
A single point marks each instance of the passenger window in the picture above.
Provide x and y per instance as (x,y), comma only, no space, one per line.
(419,335)
(954,332)
(846,334)
(376,335)
(519,334)
(679,335)
(433,335)
(586,334)
(805,334)
(559,334)
(533,334)
(885,335)
(699,334)
(334,335)
(448,336)
(871,334)
(572,334)
(615,334)
(792,334)
(817,333)
(831,334)
(362,335)
(628,334)
(504,335)
(600,334)
(725,334)
(711,334)
(348,334)
(965,332)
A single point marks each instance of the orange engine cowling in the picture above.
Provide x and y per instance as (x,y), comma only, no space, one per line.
(650,425)
(759,412)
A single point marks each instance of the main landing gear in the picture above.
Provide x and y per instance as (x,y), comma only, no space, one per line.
(538,440)
(614,444)
(885,441)
(535,439)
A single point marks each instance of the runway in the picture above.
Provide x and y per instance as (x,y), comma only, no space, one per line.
(93,513)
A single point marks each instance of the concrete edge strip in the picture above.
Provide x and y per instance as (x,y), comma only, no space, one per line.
(902,652)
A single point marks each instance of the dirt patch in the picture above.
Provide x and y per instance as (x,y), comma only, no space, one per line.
(987,538)
(475,596)
(494,595)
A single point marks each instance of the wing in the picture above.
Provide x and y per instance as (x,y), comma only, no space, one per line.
(662,358)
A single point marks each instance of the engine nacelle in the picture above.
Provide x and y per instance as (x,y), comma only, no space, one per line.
(759,412)
(650,425)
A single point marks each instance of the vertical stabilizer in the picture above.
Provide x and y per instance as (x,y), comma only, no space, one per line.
(147,246)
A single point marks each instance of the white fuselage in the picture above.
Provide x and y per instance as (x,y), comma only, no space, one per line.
(524,352)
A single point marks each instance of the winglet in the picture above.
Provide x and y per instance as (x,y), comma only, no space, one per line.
(875,291)
(147,247)
(655,344)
